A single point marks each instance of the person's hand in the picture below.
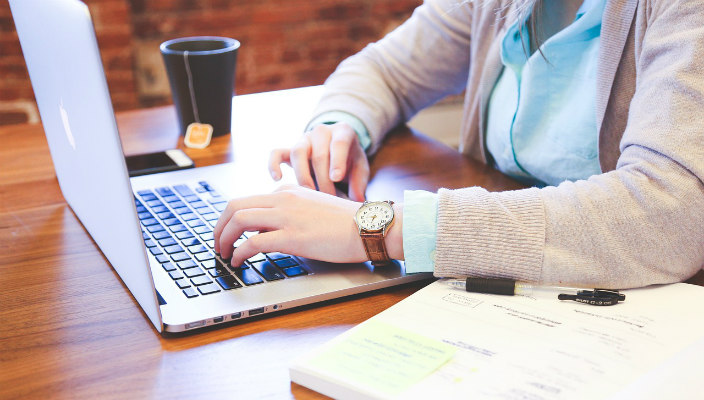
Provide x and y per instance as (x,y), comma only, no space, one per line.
(292,220)
(335,155)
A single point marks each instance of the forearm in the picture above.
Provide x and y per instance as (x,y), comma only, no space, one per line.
(632,227)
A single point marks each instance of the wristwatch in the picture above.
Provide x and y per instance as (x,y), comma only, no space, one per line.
(374,218)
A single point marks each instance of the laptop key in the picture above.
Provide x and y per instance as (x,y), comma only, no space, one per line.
(195,223)
(149,221)
(154,203)
(203,229)
(144,192)
(176,275)
(214,263)
(155,228)
(180,256)
(187,264)
(169,241)
(168,267)
(209,288)
(228,282)
(160,209)
(148,196)
(206,236)
(184,235)
(295,271)
(162,258)
(178,228)
(199,248)
(256,258)
(172,221)
(268,270)
(198,203)
(189,216)
(210,216)
(170,199)
(156,251)
(165,215)
(203,210)
(173,249)
(285,262)
(193,272)
(276,256)
(248,276)
(149,243)
(144,215)
(218,271)
(179,204)
(161,235)
(183,283)
(205,256)
(201,280)
(190,292)
(192,241)
(182,210)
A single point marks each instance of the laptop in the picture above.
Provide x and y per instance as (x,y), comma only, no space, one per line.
(156,230)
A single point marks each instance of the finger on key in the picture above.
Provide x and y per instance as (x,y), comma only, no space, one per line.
(343,138)
(262,243)
(253,219)
(300,161)
(320,158)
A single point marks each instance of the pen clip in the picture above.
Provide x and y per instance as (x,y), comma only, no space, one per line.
(596,297)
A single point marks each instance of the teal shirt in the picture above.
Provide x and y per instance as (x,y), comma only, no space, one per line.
(537,147)
(545,148)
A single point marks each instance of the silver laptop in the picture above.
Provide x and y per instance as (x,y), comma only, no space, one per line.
(156,230)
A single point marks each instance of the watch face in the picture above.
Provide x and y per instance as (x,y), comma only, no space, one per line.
(374,216)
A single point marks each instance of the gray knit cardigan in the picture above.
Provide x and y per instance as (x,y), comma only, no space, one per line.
(639,222)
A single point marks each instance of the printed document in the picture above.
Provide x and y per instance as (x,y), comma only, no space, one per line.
(442,342)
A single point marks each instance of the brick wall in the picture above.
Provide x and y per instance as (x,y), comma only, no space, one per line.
(285,44)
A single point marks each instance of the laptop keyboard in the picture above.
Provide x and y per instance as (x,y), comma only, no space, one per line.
(177,227)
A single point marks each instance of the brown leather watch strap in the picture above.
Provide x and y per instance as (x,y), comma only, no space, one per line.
(375,247)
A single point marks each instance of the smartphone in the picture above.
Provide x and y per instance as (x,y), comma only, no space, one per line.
(161,161)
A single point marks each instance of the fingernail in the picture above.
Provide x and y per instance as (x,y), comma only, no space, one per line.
(336,174)
(275,175)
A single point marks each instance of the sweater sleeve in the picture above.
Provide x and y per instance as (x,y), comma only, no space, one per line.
(422,61)
(640,224)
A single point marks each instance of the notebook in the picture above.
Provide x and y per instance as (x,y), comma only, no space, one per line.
(156,230)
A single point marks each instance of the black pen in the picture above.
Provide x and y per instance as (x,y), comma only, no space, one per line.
(511,287)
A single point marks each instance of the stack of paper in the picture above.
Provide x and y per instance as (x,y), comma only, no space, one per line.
(446,343)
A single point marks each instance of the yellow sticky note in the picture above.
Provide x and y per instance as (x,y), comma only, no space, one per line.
(383,357)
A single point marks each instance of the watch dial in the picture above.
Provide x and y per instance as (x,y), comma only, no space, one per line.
(375,216)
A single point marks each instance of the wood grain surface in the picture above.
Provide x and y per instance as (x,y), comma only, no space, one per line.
(69,329)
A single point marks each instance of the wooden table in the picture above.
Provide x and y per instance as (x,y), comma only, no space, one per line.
(70,329)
